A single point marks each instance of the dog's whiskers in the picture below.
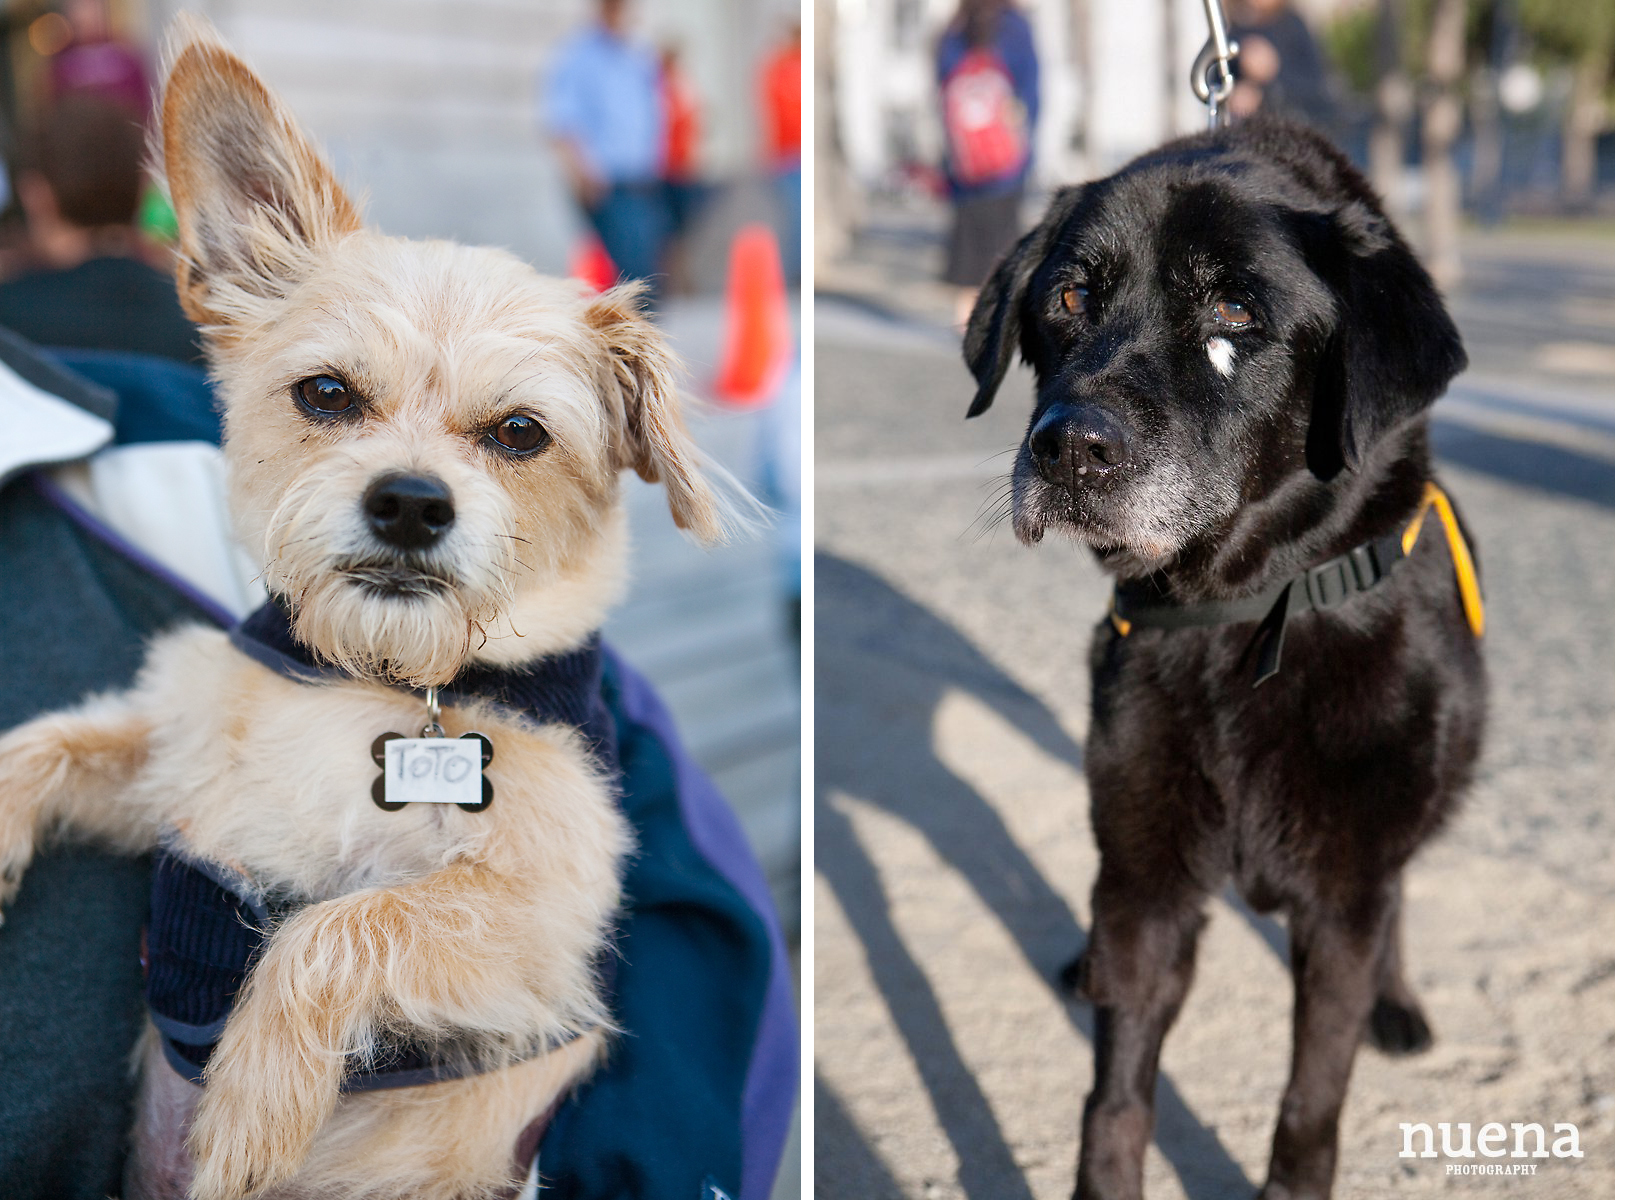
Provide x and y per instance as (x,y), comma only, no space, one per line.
(994,509)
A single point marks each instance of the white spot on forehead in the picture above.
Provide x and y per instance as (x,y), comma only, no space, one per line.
(1221,355)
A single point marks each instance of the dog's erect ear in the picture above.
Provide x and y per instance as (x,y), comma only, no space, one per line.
(651,439)
(1393,348)
(993,334)
(254,201)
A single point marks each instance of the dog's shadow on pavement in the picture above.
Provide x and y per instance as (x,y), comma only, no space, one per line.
(884,662)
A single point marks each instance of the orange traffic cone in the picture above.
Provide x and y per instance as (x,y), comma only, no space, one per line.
(757,345)
(591,265)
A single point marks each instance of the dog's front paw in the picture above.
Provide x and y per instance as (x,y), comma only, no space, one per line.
(1396,1028)
(262,1108)
(241,1144)
(16,849)
(233,1158)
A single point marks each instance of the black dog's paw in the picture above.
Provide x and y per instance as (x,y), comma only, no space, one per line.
(1396,1028)
(1071,978)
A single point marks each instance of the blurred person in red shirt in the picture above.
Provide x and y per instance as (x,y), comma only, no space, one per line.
(782,110)
(782,101)
(683,191)
(682,110)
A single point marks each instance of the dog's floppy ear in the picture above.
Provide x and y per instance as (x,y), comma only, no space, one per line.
(254,201)
(993,333)
(1393,348)
(651,438)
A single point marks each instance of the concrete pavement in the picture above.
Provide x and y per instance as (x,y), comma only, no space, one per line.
(953,857)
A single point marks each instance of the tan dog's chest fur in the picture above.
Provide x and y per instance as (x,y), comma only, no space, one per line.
(424,443)
(274,776)
(440,913)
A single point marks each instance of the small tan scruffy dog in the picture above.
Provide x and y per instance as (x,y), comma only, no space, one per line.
(425,441)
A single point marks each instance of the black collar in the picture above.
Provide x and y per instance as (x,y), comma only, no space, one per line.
(559,689)
(1321,588)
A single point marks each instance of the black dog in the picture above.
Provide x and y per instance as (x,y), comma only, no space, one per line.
(1234,352)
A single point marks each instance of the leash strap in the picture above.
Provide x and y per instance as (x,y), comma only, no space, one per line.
(1322,588)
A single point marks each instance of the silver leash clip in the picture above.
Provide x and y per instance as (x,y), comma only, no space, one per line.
(1212,79)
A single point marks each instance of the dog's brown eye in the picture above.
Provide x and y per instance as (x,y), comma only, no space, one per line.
(520,434)
(1232,314)
(325,394)
(1075,300)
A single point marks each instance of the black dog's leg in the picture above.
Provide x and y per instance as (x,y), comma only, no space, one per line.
(1337,966)
(1398,1025)
(1139,968)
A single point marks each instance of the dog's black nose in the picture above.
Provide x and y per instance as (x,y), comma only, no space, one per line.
(1077,445)
(409,512)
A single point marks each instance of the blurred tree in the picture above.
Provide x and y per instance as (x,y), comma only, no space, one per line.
(835,210)
(1394,98)
(1382,46)
(1581,36)
(1080,53)
(1440,127)
(1174,71)
(1493,29)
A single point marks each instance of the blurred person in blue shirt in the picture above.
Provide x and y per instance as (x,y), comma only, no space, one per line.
(603,109)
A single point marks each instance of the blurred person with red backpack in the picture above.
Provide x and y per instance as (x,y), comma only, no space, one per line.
(987,68)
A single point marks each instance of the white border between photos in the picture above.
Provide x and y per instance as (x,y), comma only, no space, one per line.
(805,341)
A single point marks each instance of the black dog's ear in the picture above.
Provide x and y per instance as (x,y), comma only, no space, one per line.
(993,333)
(1393,348)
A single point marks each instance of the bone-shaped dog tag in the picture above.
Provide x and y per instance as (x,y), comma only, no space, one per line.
(432,770)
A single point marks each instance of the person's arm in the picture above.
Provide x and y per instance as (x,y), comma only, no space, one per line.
(563,113)
(699,1087)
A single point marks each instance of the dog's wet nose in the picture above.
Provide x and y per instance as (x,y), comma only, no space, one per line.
(409,512)
(1075,445)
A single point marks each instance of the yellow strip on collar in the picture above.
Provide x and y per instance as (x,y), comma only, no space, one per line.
(1466,575)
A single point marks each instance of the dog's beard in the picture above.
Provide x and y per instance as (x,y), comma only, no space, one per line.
(378,613)
(421,637)
(1144,518)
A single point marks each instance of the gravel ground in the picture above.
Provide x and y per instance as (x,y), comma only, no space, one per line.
(953,857)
